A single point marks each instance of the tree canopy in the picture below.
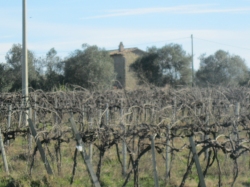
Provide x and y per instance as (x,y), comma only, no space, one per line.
(90,67)
(51,70)
(14,66)
(167,65)
(221,68)
(6,78)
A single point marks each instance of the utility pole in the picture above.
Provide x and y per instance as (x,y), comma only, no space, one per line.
(25,91)
(192,61)
(191,140)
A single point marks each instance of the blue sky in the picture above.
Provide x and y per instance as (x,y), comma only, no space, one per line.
(67,24)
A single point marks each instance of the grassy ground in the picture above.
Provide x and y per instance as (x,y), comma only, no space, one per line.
(111,169)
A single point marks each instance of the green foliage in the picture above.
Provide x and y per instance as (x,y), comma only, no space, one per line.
(222,69)
(11,79)
(91,67)
(146,69)
(14,62)
(54,70)
(6,78)
(166,65)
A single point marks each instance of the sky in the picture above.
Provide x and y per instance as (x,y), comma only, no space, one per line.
(67,24)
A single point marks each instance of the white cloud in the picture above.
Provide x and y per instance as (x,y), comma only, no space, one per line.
(186,9)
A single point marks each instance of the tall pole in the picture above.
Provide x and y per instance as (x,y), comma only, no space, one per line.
(192,60)
(24,65)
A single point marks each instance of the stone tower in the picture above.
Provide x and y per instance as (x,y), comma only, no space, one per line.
(123,58)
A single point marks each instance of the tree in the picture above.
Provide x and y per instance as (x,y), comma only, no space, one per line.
(167,65)
(90,67)
(6,78)
(53,62)
(14,61)
(51,70)
(222,69)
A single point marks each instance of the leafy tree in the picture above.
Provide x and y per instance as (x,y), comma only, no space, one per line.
(222,69)
(167,65)
(6,78)
(14,61)
(146,69)
(51,70)
(53,62)
(90,67)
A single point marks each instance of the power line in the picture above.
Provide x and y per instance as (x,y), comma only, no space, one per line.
(222,43)
(148,43)
(160,41)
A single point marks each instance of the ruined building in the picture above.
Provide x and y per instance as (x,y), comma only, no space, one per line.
(123,57)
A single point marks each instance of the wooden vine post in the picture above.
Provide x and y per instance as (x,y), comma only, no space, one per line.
(197,162)
(168,149)
(91,145)
(156,181)
(168,155)
(9,120)
(56,106)
(124,147)
(29,135)
(237,115)
(35,108)
(3,154)
(107,114)
(85,157)
(40,148)
(207,122)
(83,114)
(207,136)
(20,114)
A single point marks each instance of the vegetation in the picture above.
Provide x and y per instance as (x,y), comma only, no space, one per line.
(89,68)
(111,169)
(132,117)
(222,69)
(167,65)
(93,68)
(11,80)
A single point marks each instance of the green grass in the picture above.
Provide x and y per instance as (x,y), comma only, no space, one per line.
(111,175)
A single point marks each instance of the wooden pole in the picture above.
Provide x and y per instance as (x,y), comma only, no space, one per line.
(168,155)
(91,145)
(35,108)
(168,148)
(83,115)
(124,147)
(56,117)
(85,157)
(9,120)
(107,114)
(3,154)
(154,160)
(207,122)
(20,115)
(40,148)
(206,135)
(29,135)
(237,114)
(197,163)
(152,116)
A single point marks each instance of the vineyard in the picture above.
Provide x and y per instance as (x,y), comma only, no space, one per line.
(146,137)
